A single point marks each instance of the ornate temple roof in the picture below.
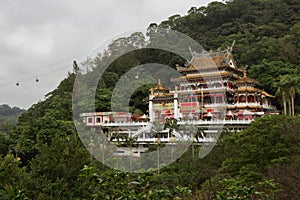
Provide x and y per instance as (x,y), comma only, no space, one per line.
(212,74)
(161,93)
(159,88)
(267,94)
(245,79)
(202,63)
(164,98)
(207,63)
(252,89)
(210,60)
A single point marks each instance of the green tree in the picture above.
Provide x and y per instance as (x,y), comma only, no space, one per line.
(235,189)
(293,87)
(53,173)
(12,178)
(282,92)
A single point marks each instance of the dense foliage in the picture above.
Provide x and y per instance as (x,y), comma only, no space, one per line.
(43,157)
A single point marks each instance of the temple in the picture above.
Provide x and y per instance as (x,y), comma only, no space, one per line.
(211,93)
(211,88)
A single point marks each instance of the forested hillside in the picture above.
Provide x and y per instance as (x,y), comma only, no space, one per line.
(9,117)
(43,157)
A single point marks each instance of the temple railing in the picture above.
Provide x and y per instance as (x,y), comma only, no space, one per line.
(267,106)
(210,105)
(182,122)
(125,124)
(247,104)
(214,122)
(174,140)
(204,89)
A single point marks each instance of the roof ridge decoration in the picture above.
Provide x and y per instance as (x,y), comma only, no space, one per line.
(230,48)
(162,90)
(245,78)
(245,71)
(211,54)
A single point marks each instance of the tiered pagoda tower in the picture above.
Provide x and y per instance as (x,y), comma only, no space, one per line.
(162,103)
(209,78)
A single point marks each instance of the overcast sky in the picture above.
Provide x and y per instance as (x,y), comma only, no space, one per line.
(41,38)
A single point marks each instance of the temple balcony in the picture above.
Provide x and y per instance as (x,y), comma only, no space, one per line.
(208,72)
(213,105)
(155,140)
(267,106)
(231,106)
(182,122)
(127,151)
(174,140)
(122,124)
(215,122)
(247,104)
(206,90)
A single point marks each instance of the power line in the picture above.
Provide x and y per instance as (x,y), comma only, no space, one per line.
(40,68)
(37,74)
(19,81)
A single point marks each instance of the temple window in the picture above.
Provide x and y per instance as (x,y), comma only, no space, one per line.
(219,100)
(242,99)
(207,100)
(98,120)
(251,99)
(90,120)
(230,99)
(217,85)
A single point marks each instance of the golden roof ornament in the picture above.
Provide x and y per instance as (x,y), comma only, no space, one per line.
(245,79)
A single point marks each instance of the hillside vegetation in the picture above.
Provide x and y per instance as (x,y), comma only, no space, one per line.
(43,157)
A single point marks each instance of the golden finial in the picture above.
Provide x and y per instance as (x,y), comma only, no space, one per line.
(245,71)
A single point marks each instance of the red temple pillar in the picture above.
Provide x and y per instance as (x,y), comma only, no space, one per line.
(215,98)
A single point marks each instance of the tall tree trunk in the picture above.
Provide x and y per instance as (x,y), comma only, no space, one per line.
(290,108)
(293,105)
(284,104)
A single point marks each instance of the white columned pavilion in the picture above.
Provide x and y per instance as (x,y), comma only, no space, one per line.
(151,110)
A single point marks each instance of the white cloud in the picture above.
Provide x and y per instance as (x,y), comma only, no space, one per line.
(35,33)
(23,40)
